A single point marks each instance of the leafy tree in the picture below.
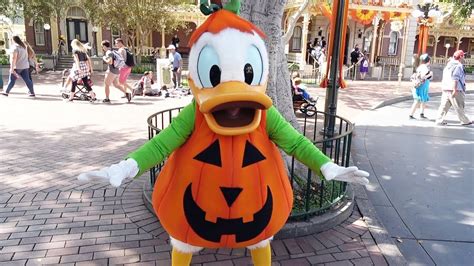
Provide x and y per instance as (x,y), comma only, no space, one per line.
(7,9)
(137,19)
(38,10)
(461,10)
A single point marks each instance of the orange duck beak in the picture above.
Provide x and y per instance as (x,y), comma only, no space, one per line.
(232,108)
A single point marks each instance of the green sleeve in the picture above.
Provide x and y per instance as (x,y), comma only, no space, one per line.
(169,139)
(294,143)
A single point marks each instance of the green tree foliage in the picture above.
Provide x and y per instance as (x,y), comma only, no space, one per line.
(137,19)
(461,9)
(11,9)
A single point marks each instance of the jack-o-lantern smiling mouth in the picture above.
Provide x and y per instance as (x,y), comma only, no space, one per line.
(213,232)
(235,114)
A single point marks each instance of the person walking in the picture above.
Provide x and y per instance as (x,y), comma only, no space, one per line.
(32,60)
(19,66)
(323,42)
(2,43)
(82,69)
(125,71)
(177,65)
(175,41)
(454,88)
(114,62)
(355,57)
(422,79)
(364,66)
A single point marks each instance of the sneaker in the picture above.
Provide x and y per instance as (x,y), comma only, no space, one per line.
(106,100)
(466,124)
(5,94)
(423,116)
(129,96)
(411,117)
(31,95)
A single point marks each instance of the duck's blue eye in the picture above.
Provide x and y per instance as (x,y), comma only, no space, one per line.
(209,71)
(253,69)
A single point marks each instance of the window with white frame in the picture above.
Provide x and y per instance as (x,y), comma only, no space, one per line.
(367,41)
(115,33)
(39,33)
(76,12)
(296,43)
(393,43)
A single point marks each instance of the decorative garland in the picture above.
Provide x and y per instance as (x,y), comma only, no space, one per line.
(325,9)
(363,16)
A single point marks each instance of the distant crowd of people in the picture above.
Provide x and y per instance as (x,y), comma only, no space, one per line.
(318,57)
(119,60)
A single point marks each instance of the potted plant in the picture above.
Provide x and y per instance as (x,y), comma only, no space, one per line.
(4,63)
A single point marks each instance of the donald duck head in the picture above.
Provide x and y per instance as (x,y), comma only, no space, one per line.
(228,71)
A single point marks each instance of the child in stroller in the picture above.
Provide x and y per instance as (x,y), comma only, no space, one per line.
(301,99)
(79,75)
(81,94)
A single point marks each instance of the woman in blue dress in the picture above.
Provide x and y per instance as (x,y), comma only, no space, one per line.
(421,87)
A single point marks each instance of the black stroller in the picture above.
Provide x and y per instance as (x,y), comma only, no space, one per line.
(307,107)
(81,92)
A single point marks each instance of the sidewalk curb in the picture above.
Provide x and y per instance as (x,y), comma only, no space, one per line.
(406,98)
(384,242)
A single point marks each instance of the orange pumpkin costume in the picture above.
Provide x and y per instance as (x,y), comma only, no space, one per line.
(228,179)
(225,183)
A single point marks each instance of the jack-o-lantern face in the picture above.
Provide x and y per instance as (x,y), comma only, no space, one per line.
(222,191)
(213,231)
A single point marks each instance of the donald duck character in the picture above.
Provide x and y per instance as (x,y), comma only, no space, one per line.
(224,183)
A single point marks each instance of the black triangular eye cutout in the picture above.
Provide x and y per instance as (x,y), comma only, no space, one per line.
(211,155)
(251,155)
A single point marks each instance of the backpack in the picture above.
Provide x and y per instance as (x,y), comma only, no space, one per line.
(416,80)
(118,61)
(130,60)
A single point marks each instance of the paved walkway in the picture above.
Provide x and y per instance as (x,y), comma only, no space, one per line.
(47,217)
(421,181)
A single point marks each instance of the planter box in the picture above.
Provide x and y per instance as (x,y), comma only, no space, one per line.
(4,73)
(98,64)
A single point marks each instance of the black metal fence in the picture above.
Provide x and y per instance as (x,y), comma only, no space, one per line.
(312,195)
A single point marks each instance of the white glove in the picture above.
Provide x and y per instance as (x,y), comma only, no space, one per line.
(352,174)
(114,174)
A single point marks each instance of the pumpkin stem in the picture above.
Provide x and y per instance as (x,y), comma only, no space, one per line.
(233,6)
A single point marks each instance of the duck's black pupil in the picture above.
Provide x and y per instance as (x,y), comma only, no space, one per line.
(215,75)
(248,72)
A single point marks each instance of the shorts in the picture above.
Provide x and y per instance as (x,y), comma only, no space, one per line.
(124,73)
(110,77)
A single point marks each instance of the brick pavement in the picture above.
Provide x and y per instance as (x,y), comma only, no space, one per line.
(47,217)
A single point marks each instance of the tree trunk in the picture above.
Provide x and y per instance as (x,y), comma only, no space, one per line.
(267,15)
(293,19)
